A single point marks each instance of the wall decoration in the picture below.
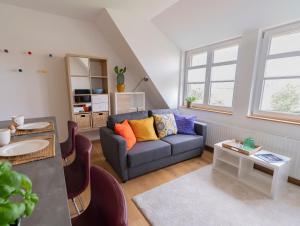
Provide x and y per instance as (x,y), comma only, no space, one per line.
(43,71)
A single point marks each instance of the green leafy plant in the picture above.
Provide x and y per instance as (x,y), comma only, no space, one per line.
(16,197)
(120,74)
(190,99)
(249,143)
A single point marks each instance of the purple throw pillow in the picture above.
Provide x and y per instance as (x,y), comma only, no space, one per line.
(185,124)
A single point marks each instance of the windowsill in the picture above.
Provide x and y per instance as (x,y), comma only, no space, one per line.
(209,110)
(274,119)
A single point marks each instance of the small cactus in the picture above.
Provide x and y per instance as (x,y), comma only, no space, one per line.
(120,74)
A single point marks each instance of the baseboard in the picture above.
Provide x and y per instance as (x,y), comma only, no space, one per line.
(261,168)
(208,148)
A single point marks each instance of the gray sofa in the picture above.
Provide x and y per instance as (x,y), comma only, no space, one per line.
(149,155)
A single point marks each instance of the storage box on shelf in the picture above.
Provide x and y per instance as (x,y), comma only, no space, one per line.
(100,119)
(88,90)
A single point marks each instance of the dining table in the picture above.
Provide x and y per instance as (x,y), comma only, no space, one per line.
(47,176)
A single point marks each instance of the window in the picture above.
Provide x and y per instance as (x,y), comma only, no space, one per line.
(210,75)
(278,77)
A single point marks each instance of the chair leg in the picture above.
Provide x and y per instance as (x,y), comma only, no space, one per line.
(76,207)
(81,203)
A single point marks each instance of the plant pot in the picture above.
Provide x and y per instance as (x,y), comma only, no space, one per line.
(17,223)
(188,104)
(121,88)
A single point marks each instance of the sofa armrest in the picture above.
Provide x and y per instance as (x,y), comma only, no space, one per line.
(114,150)
(201,129)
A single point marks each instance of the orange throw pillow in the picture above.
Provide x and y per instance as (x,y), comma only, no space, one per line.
(124,130)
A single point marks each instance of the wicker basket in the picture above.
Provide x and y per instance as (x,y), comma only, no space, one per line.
(100,119)
(83,121)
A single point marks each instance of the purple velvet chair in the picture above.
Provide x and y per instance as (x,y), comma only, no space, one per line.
(77,174)
(68,147)
(107,206)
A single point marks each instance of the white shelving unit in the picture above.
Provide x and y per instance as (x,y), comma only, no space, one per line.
(89,109)
(128,102)
(240,166)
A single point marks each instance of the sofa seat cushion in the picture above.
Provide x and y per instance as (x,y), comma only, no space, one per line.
(181,143)
(148,151)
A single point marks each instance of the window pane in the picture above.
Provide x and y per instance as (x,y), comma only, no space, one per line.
(226,54)
(198,59)
(221,73)
(196,90)
(281,95)
(196,75)
(221,94)
(285,43)
(288,66)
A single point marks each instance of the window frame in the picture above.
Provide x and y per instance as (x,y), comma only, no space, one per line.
(209,65)
(263,56)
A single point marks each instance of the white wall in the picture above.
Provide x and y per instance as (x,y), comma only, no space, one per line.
(31,93)
(116,40)
(159,57)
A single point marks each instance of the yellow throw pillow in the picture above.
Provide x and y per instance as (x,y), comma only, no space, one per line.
(143,129)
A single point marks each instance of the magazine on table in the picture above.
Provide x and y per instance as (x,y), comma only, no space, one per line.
(269,158)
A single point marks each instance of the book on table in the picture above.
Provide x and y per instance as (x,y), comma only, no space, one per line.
(268,157)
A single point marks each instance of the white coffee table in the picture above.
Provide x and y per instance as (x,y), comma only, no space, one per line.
(240,166)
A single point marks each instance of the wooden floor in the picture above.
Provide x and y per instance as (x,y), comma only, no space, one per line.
(145,182)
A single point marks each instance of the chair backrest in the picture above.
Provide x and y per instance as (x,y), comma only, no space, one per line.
(83,147)
(72,131)
(107,199)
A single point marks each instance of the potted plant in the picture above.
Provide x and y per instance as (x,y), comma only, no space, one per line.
(189,100)
(120,78)
(16,197)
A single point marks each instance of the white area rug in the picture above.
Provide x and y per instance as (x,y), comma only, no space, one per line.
(209,198)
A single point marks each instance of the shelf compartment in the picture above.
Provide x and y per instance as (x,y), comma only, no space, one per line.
(98,76)
(228,158)
(226,168)
(258,180)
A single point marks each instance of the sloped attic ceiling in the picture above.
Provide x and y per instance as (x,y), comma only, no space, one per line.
(89,9)
(195,23)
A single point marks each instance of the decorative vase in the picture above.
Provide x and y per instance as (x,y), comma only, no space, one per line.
(188,104)
(121,88)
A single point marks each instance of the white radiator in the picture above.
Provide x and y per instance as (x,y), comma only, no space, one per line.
(281,145)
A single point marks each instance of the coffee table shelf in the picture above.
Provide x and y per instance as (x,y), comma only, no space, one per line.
(241,167)
(227,169)
(229,159)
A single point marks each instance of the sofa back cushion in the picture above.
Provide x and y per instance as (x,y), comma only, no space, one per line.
(113,119)
(124,130)
(162,111)
(143,129)
(165,124)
